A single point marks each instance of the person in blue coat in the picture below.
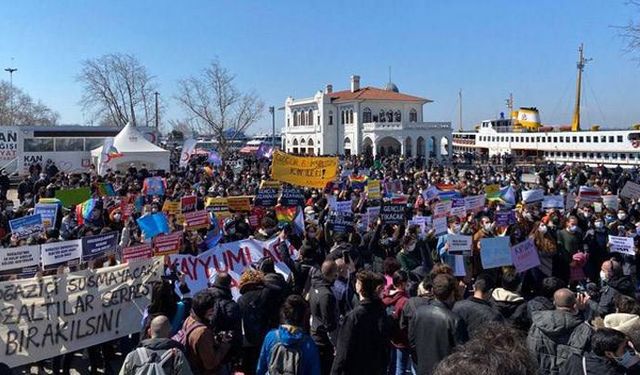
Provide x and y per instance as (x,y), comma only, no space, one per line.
(291,333)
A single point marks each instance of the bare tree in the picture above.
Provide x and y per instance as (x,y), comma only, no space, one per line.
(118,89)
(631,32)
(25,110)
(216,106)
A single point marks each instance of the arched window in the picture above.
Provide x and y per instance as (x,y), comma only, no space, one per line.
(389,116)
(295,142)
(366,115)
(310,143)
(310,117)
(351,116)
(381,116)
(397,117)
(295,118)
(303,141)
(413,115)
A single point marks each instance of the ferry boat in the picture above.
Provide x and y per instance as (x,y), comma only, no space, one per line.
(525,139)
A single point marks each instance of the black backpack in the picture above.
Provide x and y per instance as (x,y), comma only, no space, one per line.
(285,360)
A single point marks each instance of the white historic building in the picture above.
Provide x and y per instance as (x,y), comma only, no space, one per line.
(361,120)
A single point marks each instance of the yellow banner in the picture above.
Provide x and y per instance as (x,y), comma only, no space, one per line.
(492,189)
(308,171)
(218,203)
(373,189)
(270,184)
(239,204)
(172,207)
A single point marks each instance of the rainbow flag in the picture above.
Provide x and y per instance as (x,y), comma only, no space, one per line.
(106,190)
(504,195)
(112,153)
(285,214)
(358,182)
(84,209)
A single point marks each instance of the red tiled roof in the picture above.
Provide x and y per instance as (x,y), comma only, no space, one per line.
(373,93)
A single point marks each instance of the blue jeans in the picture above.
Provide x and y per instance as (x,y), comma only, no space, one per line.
(404,364)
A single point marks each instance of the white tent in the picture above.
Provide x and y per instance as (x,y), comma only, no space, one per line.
(134,149)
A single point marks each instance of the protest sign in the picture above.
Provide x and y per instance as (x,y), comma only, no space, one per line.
(48,212)
(588,195)
(597,207)
(341,222)
(392,213)
(153,225)
(99,245)
(393,186)
(153,186)
(231,257)
(126,209)
(188,203)
(267,194)
(459,244)
(166,244)
(19,260)
(292,197)
(442,208)
(474,203)
(430,193)
(458,208)
(495,252)
(525,255)
(239,204)
(55,254)
(373,189)
(553,201)
(420,221)
(459,269)
(172,207)
(26,226)
(631,190)
(137,253)
(71,197)
(504,218)
(610,201)
(217,204)
(343,206)
(440,225)
(622,245)
(197,220)
(309,171)
(372,215)
(532,196)
(74,311)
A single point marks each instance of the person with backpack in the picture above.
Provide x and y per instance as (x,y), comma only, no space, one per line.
(157,355)
(253,303)
(394,299)
(205,351)
(288,349)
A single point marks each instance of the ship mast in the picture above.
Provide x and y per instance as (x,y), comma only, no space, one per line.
(460,109)
(575,124)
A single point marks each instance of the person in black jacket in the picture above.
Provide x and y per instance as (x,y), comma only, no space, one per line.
(615,283)
(363,342)
(510,302)
(226,316)
(544,299)
(324,314)
(476,311)
(608,356)
(436,330)
(253,306)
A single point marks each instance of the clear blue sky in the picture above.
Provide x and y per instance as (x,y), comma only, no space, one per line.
(282,48)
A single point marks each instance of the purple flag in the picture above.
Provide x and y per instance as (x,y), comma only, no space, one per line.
(214,158)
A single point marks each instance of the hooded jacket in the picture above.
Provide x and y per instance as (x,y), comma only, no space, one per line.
(476,312)
(158,346)
(512,307)
(394,300)
(614,287)
(290,337)
(628,324)
(324,312)
(593,365)
(554,336)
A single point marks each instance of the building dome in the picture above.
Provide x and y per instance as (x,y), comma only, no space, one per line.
(391,87)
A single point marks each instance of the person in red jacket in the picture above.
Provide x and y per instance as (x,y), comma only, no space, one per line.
(394,299)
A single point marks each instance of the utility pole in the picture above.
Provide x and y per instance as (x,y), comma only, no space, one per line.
(272,110)
(575,124)
(11,71)
(157,120)
(509,102)
(460,109)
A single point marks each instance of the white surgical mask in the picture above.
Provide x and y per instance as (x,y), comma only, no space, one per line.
(622,216)
(572,228)
(599,224)
(542,228)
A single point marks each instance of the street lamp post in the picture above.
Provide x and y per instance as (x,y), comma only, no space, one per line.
(272,110)
(11,71)
(156,96)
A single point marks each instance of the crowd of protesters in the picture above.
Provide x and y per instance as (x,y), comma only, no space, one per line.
(382,299)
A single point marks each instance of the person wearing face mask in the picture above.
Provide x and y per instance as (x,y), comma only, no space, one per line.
(570,241)
(614,283)
(486,231)
(547,246)
(324,314)
(408,256)
(595,240)
(621,220)
(611,354)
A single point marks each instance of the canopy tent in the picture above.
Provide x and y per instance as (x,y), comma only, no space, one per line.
(129,147)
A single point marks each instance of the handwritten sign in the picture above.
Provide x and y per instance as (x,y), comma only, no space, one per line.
(459,244)
(474,203)
(622,245)
(631,190)
(525,255)
(610,201)
(532,196)
(553,201)
(495,252)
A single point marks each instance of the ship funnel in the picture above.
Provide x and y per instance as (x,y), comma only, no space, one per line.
(528,118)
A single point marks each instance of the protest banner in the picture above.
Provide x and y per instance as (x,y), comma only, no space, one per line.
(267,194)
(588,195)
(70,312)
(171,207)
(292,197)
(610,202)
(373,189)
(48,212)
(137,253)
(99,245)
(310,171)
(474,203)
(504,218)
(71,197)
(239,204)
(495,252)
(341,222)
(231,257)
(153,225)
(553,201)
(26,226)
(532,196)
(440,225)
(166,244)
(188,203)
(430,193)
(393,186)
(198,219)
(153,186)
(216,204)
(622,245)
(19,260)
(525,255)
(459,244)
(442,208)
(55,254)
(630,190)
(393,213)
(458,208)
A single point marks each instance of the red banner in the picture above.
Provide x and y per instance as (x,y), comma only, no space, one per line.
(166,244)
(188,203)
(197,220)
(137,252)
